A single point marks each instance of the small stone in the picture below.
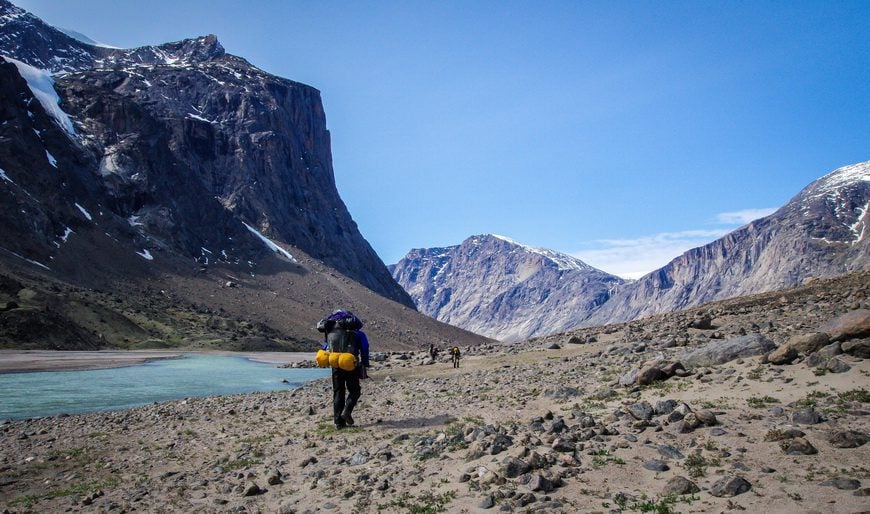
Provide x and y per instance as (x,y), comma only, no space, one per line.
(540,483)
(642,411)
(487,502)
(656,465)
(848,439)
(679,485)
(730,486)
(837,365)
(251,489)
(670,452)
(798,446)
(846,484)
(807,416)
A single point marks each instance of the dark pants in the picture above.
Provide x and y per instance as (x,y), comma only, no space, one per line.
(344,381)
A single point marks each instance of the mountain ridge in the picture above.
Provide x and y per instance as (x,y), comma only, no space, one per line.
(497,287)
(821,232)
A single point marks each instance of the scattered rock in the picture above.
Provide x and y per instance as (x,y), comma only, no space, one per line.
(798,446)
(679,486)
(720,352)
(807,416)
(809,343)
(642,411)
(848,439)
(859,348)
(730,486)
(847,484)
(851,325)
(656,465)
(251,489)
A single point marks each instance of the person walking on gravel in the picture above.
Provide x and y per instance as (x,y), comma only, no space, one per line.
(346,350)
(454,354)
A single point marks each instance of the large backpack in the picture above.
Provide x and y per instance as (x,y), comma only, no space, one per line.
(343,344)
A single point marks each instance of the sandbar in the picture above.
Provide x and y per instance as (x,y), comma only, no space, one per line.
(21,361)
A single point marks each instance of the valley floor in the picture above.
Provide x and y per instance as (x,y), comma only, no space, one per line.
(521,430)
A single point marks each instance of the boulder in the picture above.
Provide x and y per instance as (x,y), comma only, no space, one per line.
(628,379)
(807,416)
(860,348)
(642,411)
(808,343)
(657,371)
(848,439)
(785,354)
(798,446)
(851,325)
(730,486)
(679,486)
(719,352)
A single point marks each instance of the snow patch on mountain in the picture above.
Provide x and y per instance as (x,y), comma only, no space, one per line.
(562,261)
(42,85)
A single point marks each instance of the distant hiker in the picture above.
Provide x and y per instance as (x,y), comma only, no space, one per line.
(454,354)
(345,349)
(433,351)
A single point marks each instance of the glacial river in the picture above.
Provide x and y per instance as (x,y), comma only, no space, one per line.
(28,395)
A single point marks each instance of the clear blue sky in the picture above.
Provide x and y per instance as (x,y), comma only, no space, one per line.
(623,132)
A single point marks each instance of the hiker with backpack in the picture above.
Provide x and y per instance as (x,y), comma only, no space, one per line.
(346,350)
(454,354)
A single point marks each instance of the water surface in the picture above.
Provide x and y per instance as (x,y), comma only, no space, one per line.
(47,393)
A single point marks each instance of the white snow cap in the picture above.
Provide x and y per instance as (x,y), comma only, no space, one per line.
(563,262)
(42,86)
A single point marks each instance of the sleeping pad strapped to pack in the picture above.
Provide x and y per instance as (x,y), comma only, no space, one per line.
(342,341)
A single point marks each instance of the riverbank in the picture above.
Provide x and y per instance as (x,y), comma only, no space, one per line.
(626,418)
(22,361)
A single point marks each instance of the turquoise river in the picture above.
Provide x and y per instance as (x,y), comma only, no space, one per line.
(29,395)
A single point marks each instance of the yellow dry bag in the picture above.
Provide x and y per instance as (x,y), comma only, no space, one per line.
(322,358)
(347,361)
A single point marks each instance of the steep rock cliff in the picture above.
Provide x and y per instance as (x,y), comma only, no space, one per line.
(186,141)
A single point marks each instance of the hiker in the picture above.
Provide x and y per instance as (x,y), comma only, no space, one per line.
(346,350)
(454,353)
(433,351)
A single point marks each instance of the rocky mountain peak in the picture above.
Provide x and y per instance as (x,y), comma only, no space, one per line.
(495,286)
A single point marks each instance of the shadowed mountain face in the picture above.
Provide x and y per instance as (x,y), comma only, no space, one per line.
(496,287)
(174,170)
(499,288)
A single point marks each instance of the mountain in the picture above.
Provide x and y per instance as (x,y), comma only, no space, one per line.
(168,170)
(496,287)
(493,286)
(824,231)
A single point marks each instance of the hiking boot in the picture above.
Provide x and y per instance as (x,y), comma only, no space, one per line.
(347,419)
(339,424)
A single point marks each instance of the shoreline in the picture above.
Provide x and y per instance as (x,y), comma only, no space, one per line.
(34,361)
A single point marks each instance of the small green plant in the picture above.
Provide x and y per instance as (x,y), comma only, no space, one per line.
(602,457)
(755,373)
(427,503)
(854,395)
(757,402)
(696,464)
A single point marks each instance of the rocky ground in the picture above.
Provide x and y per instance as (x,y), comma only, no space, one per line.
(758,404)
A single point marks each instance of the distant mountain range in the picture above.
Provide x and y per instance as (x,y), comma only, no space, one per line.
(172,171)
(493,286)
